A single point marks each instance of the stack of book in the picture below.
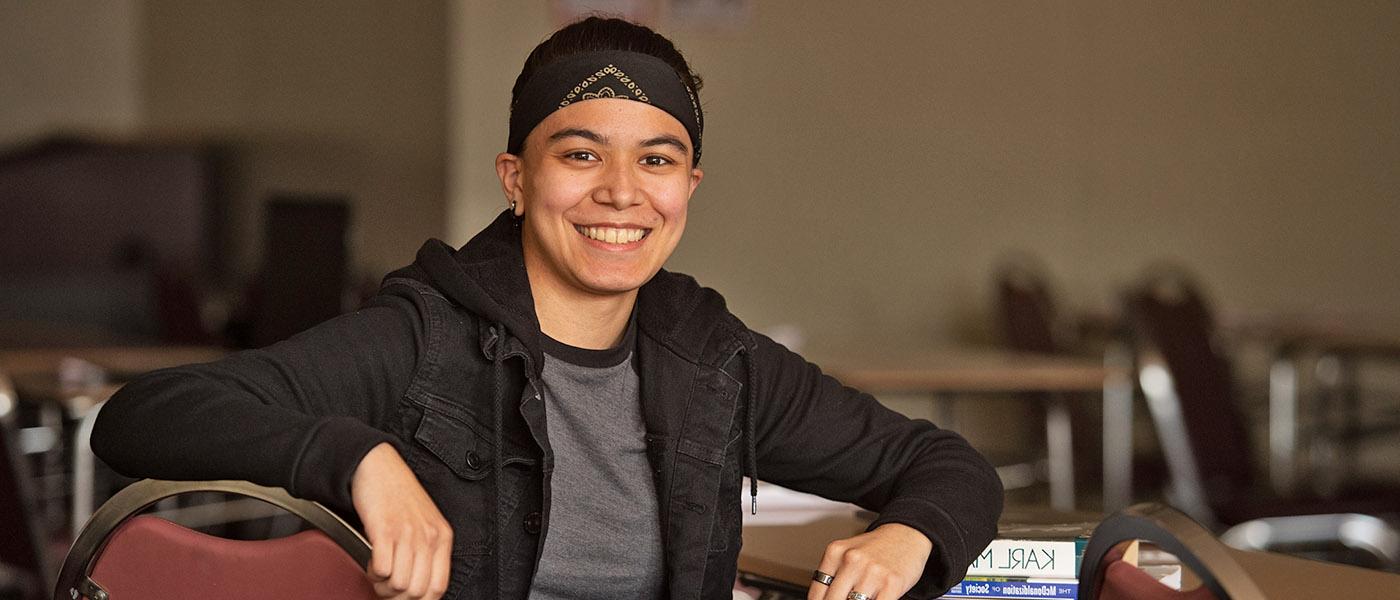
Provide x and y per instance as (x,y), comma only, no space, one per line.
(1038,555)
(1034,556)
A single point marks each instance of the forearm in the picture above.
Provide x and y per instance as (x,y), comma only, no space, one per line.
(819,436)
(299,414)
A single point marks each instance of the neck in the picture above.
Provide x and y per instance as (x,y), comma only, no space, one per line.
(583,320)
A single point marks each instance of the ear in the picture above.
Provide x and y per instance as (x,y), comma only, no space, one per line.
(508,170)
(695,176)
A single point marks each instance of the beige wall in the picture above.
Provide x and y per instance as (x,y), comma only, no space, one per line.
(319,97)
(68,66)
(867,163)
(315,97)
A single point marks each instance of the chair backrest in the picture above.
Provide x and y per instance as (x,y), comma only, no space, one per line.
(1104,576)
(1171,319)
(1027,311)
(121,555)
(21,548)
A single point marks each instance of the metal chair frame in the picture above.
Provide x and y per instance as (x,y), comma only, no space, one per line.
(1187,492)
(1176,533)
(74,578)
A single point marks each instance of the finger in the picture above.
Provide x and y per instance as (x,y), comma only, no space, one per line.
(422,569)
(381,562)
(383,590)
(831,561)
(847,578)
(403,563)
(860,575)
(442,567)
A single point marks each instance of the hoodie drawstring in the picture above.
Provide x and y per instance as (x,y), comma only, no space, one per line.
(497,422)
(750,448)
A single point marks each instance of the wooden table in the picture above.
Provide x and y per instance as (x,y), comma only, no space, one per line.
(1285,577)
(119,361)
(788,553)
(957,371)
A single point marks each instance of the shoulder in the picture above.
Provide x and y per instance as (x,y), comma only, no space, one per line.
(676,309)
(437,321)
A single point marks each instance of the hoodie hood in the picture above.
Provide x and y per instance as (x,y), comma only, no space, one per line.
(487,277)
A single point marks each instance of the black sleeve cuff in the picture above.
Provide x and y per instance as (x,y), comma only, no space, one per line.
(950,556)
(327,462)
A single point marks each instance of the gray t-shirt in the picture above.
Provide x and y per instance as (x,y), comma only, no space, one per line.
(604,536)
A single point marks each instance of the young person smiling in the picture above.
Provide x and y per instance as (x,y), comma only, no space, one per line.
(546,412)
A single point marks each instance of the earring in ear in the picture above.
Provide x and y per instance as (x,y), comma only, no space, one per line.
(512,208)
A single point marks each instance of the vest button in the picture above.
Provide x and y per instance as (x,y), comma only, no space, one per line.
(473,460)
(532,523)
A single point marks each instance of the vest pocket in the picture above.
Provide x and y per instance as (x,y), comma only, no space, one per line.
(453,463)
(457,445)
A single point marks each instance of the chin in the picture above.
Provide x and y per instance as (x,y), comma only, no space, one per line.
(616,284)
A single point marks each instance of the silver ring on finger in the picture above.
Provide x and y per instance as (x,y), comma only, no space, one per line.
(854,595)
(822,578)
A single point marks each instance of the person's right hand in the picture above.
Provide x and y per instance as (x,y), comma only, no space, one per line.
(412,541)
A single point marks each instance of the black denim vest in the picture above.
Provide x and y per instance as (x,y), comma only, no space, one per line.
(691,404)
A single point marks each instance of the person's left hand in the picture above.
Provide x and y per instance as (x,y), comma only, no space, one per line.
(881,564)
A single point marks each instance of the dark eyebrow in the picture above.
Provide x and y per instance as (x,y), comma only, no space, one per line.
(586,134)
(666,140)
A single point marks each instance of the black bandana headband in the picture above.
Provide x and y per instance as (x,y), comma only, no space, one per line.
(612,74)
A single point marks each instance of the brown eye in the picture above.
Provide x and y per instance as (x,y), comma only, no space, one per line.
(656,161)
(581,155)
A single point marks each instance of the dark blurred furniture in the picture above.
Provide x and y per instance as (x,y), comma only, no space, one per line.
(303,278)
(23,571)
(104,242)
(1026,308)
(121,555)
(64,387)
(1190,393)
(1333,353)
(1029,323)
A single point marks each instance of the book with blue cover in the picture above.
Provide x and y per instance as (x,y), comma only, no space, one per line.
(1024,588)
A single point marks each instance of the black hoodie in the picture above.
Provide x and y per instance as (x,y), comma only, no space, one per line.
(444,363)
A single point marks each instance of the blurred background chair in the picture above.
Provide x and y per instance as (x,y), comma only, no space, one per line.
(23,569)
(1031,321)
(1191,396)
(121,554)
(1029,324)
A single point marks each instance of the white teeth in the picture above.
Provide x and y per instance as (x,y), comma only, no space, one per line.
(613,235)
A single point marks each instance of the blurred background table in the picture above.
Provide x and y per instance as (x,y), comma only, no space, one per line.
(946,373)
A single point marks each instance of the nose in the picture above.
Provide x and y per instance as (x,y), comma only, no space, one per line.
(619,187)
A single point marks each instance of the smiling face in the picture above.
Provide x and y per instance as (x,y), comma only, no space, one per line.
(603,187)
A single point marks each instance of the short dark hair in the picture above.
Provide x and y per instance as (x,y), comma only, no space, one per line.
(594,34)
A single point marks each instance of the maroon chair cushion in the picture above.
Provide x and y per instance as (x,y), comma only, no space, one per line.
(153,559)
(1123,581)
